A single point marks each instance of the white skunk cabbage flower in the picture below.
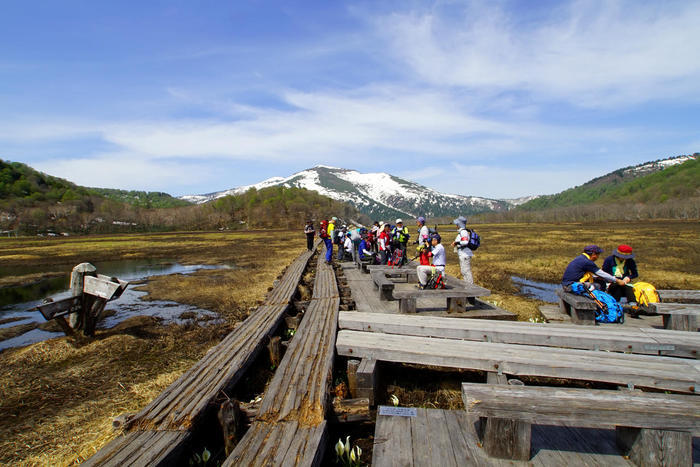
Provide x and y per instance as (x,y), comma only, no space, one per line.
(206,455)
(347,445)
(394,400)
(353,457)
(339,448)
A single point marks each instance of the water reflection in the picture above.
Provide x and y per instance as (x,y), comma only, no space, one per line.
(126,306)
(540,290)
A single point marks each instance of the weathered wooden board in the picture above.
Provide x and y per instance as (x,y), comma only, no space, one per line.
(583,407)
(676,308)
(686,296)
(640,370)
(465,291)
(141,448)
(648,341)
(100,287)
(179,407)
(284,443)
(577,301)
(60,307)
(299,390)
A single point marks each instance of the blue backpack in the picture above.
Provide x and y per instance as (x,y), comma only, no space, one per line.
(610,312)
(474,240)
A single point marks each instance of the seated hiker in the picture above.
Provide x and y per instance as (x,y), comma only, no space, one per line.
(583,269)
(437,253)
(346,248)
(621,265)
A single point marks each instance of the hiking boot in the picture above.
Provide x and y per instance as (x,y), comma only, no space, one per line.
(420,287)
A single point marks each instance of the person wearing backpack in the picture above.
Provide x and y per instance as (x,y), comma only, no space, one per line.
(384,243)
(323,234)
(464,246)
(399,239)
(620,265)
(310,234)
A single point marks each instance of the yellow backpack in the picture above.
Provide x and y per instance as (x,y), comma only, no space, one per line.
(645,293)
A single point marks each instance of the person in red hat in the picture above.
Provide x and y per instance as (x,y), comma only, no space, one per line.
(621,265)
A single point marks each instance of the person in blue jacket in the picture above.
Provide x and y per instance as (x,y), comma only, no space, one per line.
(583,269)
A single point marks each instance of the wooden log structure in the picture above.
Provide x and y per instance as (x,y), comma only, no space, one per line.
(678,316)
(671,418)
(647,341)
(456,297)
(385,286)
(581,309)
(291,421)
(665,373)
(178,410)
(684,296)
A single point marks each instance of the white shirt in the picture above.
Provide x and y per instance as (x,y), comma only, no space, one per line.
(462,239)
(439,257)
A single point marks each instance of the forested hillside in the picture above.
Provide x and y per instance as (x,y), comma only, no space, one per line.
(35,203)
(670,193)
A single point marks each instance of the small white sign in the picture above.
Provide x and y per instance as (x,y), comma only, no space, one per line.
(398,411)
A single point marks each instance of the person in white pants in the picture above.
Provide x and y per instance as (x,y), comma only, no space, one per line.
(463,252)
(438,253)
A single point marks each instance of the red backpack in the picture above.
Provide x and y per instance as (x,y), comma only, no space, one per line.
(323,231)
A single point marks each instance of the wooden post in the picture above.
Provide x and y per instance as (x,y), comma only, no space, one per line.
(407,305)
(275,350)
(367,379)
(352,367)
(456,304)
(76,286)
(505,438)
(229,415)
(678,322)
(647,447)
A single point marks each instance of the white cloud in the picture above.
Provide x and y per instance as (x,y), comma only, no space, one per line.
(590,53)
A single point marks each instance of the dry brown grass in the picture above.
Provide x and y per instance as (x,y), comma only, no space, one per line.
(59,397)
(667,254)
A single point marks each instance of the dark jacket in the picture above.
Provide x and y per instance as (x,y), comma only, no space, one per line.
(630,268)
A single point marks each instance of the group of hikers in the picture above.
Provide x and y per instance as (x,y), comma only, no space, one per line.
(387,244)
(609,284)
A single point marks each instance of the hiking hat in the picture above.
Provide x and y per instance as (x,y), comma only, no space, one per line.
(436,236)
(334,218)
(592,249)
(421,219)
(624,252)
(399,221)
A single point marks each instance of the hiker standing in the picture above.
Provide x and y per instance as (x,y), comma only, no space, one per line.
(310,234)
(373,236)
(423,231)
(583,269)
(340,239)
(437,252)
(464,253)
(331,239)
(621,265)
(323,234)
(399,237)
(356,238)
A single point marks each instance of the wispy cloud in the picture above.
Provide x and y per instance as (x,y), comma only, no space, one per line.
(589,53)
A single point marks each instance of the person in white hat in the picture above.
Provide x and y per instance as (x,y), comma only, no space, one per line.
(399,238)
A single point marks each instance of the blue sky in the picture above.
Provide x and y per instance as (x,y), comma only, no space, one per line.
(498,99)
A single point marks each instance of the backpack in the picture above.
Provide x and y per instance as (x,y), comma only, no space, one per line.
(608,310)
(645,293)
(435,281)
(474,240)
(323,230)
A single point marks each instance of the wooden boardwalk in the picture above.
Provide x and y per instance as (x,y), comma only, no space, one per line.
(612,337)
(291,424)
(159,431)
(366,298)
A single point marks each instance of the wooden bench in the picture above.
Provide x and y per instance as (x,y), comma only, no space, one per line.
(457,297)
(665,373)
(385,286)
(613,339)
(685,296)
(581,309)
(678,316)
(651,428)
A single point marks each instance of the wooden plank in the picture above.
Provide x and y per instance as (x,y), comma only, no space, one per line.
(100,287)
(457,292)
(60,307)
(393,445)
(577,301)
(615,339)
(686,296)
(140,448)
(641,370)
(676,308)
(656,447)
(584,407)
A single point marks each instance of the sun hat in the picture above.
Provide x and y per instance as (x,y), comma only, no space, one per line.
(421,219)
(461,220)
(399,221)
(592,249)
(624,252)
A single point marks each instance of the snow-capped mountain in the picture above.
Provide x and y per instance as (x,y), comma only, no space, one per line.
(655,166)
(378,195)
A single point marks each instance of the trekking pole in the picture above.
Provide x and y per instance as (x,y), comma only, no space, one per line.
(602,305)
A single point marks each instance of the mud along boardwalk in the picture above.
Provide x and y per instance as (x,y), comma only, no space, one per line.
(647,407)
